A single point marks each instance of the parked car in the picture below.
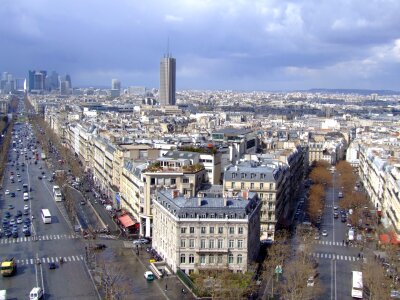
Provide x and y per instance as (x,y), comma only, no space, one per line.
(141,241)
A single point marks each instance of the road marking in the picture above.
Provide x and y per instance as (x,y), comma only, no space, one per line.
(73,258)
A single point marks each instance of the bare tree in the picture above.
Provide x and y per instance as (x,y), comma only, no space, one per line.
(376,281)
(112,281)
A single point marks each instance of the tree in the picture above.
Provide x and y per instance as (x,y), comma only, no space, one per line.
(377,283)
(112,281)
(321,175)
(294,284)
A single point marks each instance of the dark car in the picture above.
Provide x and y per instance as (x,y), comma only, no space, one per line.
(7,214)
(15,234)
(7,233)
(52,266)
(27,233)
(12,194)
(344,219)
(39,177)
(18,214)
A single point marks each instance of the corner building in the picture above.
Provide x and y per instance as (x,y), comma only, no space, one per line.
(195,233)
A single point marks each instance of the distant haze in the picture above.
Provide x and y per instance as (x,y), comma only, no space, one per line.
(218,44)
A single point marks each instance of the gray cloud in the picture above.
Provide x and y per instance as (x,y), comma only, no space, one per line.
(218,44)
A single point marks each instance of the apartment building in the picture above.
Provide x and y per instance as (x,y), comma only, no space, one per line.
(195,233)
(269,179)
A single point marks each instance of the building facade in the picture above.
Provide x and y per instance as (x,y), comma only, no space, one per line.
(167,81)
(195,233)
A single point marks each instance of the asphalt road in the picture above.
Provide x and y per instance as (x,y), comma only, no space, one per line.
(53,241)
(336,260)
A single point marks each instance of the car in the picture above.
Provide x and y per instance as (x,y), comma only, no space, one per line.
(12,194)
(19,220)
(44,177)
(40,177)
(7,192)
(18,214)
(26,227)
(12,221)
(7,233)
(26,212)
(10,206)
(336,215)
(310,281)
(149,275)
(344,219)
(26,207)
(316,236)
(141,241)
(19,180)
(335,207)
(18,189)
(15,234)
(52,265)
(7,214)
(324,232)
(43,172)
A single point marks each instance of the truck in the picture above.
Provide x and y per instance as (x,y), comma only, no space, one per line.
(8,267)
(43,156)
(3,294)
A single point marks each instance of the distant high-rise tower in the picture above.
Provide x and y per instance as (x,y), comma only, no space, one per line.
(167,80)
(115,88)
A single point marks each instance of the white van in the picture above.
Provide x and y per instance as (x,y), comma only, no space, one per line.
(26,196)
(36,293)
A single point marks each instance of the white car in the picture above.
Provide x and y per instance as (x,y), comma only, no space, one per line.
(7,192)
(26,207)
(324,232)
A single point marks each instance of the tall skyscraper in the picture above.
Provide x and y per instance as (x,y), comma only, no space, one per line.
(167,80)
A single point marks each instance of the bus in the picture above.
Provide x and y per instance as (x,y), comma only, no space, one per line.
(57,193)
(357,289)
(46,216)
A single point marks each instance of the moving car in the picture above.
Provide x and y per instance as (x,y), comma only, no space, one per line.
(149,275)
(324,232)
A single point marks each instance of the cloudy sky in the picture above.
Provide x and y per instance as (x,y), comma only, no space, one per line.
(218,44)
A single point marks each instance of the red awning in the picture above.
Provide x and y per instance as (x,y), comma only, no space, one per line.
(388,238)
(126,221)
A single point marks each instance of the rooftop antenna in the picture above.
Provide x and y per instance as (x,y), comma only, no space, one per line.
(168,54)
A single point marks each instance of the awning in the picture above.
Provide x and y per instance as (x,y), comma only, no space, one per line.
(126,221)
(388,238)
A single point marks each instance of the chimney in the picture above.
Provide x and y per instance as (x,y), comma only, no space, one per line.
(245,195)
(175,194)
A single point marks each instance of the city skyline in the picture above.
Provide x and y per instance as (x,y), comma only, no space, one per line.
(272,45)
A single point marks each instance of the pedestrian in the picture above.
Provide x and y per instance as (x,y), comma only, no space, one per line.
(343,242)
(359,255)
(166,287)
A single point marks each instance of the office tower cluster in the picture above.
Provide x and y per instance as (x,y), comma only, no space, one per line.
(115,88)
(167,80)
(40,81)
(9,83)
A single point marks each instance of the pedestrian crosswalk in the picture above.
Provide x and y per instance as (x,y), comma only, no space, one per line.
(335,256)
(330,243)
(52,259)
(47,237)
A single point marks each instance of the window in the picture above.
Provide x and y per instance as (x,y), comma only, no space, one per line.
(230,258)
(183,243)
(233,184)
(191,229)
(185,180)
(220,230)
(211,229)
(183,258)
(261,185)
(183,229)
(191,243)
(231,243)
(271,186)
(240,244)
(233,175)
(191,259)
(203,230)
(240,230)
(219,259)
(211,244)
(220,243)
(231,230)
(211,259)
(173,181)
(261,195)
(242,185)
(202,243)
(202,259)
(239,259)
(252,185)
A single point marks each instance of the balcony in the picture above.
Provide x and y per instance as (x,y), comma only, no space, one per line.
(212,250)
